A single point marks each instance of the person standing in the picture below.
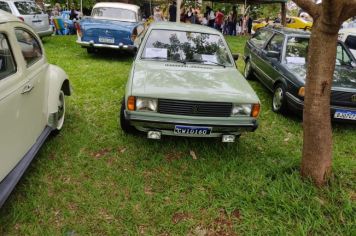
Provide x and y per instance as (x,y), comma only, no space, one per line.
(173,12)
(219,19)
(234,20)
(210,16)
(157,14)
(249,24)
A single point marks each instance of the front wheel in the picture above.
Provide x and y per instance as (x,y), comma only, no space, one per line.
(248,70)
(279,102)
(124,124)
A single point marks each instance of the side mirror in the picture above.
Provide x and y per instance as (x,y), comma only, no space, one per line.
(235,56)
(273,54)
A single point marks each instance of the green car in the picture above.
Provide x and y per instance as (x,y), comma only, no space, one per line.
(184,82)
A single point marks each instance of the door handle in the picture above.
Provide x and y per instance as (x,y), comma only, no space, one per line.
(28,88)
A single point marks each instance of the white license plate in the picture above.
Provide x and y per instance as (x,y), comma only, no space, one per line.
(192,130)
(106,40)
(345,115)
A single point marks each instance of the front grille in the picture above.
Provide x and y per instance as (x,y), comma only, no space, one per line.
(342,98)
(194,108)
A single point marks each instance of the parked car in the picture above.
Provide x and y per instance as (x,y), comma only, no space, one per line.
(32,103)
(348,36)
(184,82)
(278,58)
(29,12)
(291,22)
(111,25)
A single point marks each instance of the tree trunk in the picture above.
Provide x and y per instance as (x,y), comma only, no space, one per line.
(317,142)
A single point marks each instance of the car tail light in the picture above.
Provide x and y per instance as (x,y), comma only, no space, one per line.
(131,103)
(79,29)
(301,92)
(21,18)
(255,110)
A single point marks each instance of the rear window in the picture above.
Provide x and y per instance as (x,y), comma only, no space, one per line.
(260,38)
(5,7)
(28,8)
(351,42)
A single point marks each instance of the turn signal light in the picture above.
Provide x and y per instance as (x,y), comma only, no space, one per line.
(301,92)
(131,103)
(255,110)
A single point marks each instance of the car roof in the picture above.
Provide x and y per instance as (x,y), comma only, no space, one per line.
(289,31)
(166,25)
(131,7)
(6,17)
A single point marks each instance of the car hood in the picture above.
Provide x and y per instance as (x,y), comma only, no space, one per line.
(193,82)
(89,22)
(344,77)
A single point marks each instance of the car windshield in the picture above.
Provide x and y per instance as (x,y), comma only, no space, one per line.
(114,13)
(297,50)
(28,8)
(171,45)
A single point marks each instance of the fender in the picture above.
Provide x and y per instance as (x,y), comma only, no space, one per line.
(58,80)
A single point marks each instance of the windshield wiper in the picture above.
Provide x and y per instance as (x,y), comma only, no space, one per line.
(206,61)
(165,58)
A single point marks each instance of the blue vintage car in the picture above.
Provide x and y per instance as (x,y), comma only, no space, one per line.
(111,25)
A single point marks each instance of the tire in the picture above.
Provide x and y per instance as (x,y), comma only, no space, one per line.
(279,101)
(248,73)
(61,103)
(124,124)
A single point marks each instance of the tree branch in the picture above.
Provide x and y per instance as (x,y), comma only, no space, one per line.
(308,5)
(349,9)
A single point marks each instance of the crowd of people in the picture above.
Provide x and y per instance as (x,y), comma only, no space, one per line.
(228,23)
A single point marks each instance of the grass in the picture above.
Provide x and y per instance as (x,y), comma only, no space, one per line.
(93,179)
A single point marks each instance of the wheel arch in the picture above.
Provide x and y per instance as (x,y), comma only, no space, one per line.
(57,81)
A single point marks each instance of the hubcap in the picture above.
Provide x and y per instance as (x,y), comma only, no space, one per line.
(247,69)
(277,99)
(61,110)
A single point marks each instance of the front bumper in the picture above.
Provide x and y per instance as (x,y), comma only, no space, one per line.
(120,46)
(296,105)
(166,124)
(45,33)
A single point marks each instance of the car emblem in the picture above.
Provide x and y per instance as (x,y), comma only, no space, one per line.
(195,109)
(353,98)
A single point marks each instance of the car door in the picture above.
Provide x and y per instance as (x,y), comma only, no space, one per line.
(258,42)
(13,141)
(271,57)
(35,68)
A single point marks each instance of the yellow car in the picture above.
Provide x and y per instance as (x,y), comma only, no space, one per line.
(257,24)
(298,23)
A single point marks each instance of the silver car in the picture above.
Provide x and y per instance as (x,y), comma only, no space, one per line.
(29,12)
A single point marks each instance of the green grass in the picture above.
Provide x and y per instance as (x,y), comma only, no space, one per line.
(93,179)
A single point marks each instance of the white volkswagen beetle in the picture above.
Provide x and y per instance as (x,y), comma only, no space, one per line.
(32,103)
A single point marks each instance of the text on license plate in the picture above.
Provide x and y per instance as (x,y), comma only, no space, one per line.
(345,115)
(106,40)
(192,130)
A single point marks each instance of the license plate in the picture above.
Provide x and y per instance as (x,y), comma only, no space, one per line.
(345,115)
(106,40)
(192,130)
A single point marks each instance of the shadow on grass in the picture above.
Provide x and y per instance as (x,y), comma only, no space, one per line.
(112,55)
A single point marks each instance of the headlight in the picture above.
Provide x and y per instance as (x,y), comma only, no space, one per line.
(241,110)
(146,104)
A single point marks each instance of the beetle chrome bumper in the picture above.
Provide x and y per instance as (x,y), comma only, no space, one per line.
(166,125)
(119,46)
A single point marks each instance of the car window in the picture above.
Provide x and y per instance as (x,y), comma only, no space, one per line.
(7,64)
(28,8)
(196,47)
(296,50)
(342,57)
(30,47)
(260,38)
(351,42)
(116,13)
(5,7)
(276,43)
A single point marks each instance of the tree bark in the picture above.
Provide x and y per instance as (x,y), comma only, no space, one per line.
(317,142)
